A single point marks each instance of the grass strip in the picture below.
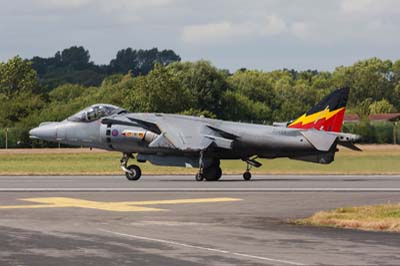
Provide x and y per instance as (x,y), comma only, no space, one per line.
(70,162)
(384,217)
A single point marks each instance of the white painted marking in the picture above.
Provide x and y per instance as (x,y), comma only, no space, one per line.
(201,247)
(199,189)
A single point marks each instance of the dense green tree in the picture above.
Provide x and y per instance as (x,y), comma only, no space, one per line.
(75,57)
(205,83)
(141,62)
(73,65)
(18,83)
(396,71)
(197,112)
(16,76)
(363,108)
(381,107)
(293,100)
(256,85)
(159,91)
(251,96)
(240,108)
(371,78)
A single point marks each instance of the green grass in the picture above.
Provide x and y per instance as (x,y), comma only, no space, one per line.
(73,163)
(384,217)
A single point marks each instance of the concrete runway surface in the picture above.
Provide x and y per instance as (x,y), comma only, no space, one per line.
(173,220)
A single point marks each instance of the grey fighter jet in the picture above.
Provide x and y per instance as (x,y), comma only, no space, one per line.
(188,141)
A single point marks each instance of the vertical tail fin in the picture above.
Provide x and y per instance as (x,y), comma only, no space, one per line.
(327,115)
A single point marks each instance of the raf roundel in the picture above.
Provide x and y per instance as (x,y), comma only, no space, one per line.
(114,133)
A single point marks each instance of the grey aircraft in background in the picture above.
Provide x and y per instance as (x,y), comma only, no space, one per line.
(188,141)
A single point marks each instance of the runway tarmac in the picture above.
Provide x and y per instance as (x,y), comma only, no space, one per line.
(173,220)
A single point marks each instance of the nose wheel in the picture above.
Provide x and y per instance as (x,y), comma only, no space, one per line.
(132,172)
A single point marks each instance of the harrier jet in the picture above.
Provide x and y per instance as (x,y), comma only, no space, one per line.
(189,141)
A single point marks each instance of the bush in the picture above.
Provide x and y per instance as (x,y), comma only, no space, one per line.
(14,138)
(373,132)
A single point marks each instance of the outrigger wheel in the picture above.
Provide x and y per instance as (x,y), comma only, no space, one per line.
(247,175)
(249,163)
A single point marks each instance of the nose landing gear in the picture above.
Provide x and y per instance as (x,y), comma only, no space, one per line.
(132,172)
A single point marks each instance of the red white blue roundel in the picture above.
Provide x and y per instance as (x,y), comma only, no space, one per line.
(114,132)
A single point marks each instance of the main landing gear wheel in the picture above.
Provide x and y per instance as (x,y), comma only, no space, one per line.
(209,174)
(247,176)
(134,174)
(213,173)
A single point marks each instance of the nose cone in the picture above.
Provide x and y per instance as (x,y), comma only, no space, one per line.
(44,132)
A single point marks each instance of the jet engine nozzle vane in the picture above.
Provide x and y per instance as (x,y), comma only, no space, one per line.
(149,136)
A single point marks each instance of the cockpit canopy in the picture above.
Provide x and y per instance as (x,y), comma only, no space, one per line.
(95,112)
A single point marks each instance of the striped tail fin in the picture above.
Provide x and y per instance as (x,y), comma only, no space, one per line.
(327,115)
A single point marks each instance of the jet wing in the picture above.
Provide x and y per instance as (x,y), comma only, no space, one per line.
(192,135)
(178,132)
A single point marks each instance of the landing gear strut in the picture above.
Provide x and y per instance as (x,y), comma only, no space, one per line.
(212,172)
(200,176)
(250,162)
(132,172)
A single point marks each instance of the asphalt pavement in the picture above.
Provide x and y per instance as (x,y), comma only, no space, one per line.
(174,220)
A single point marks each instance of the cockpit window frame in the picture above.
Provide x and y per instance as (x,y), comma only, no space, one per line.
(95,112)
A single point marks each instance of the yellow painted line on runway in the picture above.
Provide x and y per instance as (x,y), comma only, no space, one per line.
(181,201)
(125,206)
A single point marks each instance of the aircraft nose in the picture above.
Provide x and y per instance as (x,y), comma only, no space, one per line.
(44,132)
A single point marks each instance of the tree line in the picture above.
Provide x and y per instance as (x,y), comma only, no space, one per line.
(51,89)
(73,65)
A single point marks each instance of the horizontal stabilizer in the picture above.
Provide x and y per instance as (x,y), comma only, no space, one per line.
(321,140)
(350,146)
